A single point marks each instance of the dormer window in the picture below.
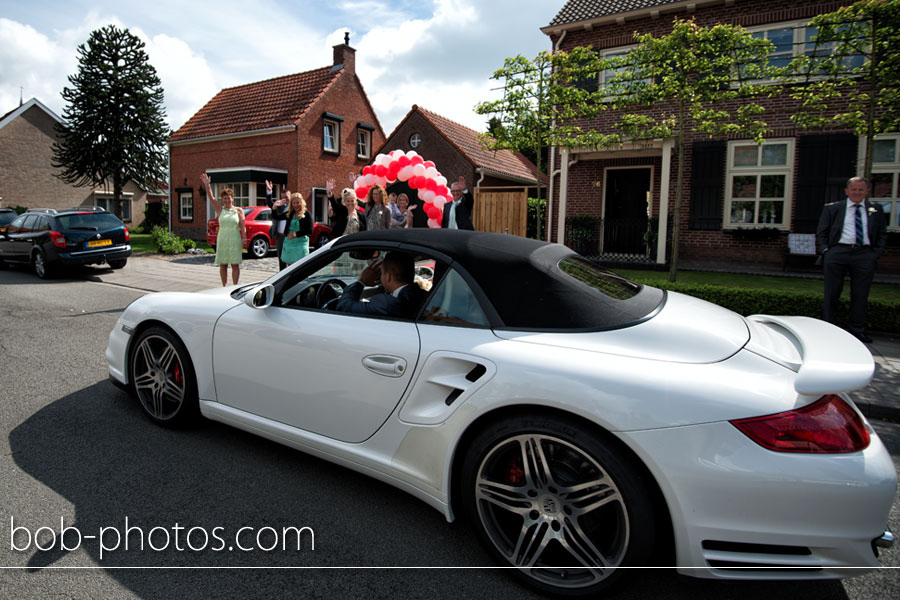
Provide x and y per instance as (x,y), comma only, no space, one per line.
(331,133)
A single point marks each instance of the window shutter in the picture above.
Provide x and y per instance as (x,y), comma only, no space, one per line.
(826,162)
(707,185)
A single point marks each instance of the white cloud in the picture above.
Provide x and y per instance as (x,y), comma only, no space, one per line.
(439,55)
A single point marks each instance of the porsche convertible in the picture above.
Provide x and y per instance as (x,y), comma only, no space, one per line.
(583,423)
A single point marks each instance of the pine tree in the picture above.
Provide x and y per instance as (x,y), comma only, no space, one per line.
(115,129)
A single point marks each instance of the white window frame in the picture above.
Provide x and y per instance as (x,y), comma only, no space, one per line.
(107,204)
(241,192)
(891,204)
(363,142)
(758,171)
(331,141)
(800,39)
(186,206)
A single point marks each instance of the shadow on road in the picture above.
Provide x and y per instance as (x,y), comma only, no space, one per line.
(96,449)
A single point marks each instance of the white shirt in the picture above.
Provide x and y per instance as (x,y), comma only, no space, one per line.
(848,234)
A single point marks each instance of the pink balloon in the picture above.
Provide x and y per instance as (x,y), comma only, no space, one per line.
(361,192)
(441,190)
(430,184)
(439,202)
(405,173)
(380,170)
(403,161)
(416,160)
(428,163)
(434,223)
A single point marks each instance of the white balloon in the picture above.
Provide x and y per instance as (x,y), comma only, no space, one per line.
(431,173)
(411,153)
(405,173)
(433,223)
(419,170)
(441,180)
(369,179)
(380,180)
(439,201)
(429,196)
(395,154)
(381,159)
(360,182)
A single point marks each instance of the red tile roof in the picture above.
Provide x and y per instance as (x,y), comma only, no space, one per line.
(262,105)
(503,162)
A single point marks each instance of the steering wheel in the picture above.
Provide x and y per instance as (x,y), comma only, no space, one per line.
(333,287)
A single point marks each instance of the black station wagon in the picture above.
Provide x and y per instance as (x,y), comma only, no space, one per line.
(49,240)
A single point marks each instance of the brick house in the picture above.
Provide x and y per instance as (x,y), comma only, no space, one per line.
(296,131)
(456,150)
(28,177)
(726,220)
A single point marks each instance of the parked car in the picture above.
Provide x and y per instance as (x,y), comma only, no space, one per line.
(50,240)
(582,422)
(6,217)
(258,220)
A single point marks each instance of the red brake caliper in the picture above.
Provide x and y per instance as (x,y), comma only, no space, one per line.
(515,474)
(176,372)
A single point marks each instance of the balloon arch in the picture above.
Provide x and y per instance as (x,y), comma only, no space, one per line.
(418,173)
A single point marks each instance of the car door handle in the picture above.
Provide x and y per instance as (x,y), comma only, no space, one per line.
(389,366)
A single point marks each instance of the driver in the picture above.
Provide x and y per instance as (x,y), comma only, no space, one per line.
(401,296)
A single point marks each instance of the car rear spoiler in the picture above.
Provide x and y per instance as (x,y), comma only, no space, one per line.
(831,359)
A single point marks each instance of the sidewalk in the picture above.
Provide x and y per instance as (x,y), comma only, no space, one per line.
(191,273)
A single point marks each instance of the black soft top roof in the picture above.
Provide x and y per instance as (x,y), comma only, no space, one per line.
(522,279)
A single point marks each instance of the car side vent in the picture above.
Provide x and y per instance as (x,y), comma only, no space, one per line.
(476,373)
(451,398)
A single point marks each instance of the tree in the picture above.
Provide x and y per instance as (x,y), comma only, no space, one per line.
(850,76)
(695,79)
(115,128)
(539,104)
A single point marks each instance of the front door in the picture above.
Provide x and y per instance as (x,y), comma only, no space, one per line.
(625,215)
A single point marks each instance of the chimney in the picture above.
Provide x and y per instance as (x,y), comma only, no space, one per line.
(345,56)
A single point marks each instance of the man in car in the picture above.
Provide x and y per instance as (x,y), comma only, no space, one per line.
(401,296)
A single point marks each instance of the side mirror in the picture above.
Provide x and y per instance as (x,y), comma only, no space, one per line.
(261,296)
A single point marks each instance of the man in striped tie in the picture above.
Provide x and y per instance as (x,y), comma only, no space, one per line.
(851,236)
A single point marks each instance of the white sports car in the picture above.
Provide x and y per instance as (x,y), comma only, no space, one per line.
(581,421)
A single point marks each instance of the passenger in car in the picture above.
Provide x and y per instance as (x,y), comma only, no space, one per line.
(401,296)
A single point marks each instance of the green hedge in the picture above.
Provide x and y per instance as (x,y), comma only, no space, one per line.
(881,315)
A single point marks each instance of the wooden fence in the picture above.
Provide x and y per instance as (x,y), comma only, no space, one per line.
(501,212)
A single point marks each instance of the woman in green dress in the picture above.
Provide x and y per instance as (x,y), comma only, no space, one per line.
(296,242)
(232,235)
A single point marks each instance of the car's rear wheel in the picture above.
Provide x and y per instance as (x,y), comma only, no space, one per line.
(117,264)
(162,377)
(552,498)
(259,247)
(40,265)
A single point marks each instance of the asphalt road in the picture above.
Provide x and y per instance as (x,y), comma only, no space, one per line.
(78,449)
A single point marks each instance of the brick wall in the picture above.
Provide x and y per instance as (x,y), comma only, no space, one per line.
(27,175)
(434,147)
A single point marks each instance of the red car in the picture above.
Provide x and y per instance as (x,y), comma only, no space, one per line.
(259,220)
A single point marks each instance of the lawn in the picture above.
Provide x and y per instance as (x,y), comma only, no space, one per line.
(890,292)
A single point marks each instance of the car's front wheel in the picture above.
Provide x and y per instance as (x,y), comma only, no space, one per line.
(259,247)
(550,497)
(323,239)
(162,377)
(40,265)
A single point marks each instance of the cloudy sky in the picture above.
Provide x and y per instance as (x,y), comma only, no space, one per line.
(438,54)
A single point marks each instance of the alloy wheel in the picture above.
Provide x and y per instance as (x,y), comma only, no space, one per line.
(159,377)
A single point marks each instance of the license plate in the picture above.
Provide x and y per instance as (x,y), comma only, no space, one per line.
(99,243)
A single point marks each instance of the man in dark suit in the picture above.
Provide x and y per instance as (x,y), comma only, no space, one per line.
(458,212)
(401,297)
(851,236)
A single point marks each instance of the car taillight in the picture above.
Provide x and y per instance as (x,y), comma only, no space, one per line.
(828,425)
(127,235)
(58,239)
